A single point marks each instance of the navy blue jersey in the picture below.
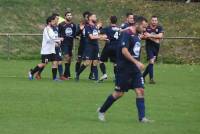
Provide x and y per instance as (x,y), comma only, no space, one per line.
(90,29)
(132,43)
(157,30)
(112,33)
(67,31)
(81,33)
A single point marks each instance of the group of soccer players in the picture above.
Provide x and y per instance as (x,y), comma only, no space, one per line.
(122,47)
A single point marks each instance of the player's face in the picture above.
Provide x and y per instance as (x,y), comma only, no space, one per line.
(86,17)
(53,22)
(130,19)
(154,21)
(68,17)
(141,27)
(56,20)
(93,18)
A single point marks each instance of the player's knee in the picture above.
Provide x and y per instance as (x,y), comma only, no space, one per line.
(95,62)
(54,64)
(152,61)
(87,62)
(67,58)
(117,95)
(41,65)
(139,92)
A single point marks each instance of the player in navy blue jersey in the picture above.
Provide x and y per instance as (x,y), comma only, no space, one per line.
(110,49)
(153,35)
(129,74)
(91,52)
(67,30)
(129,21)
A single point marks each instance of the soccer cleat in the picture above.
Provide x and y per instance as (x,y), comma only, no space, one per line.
(30,76)
(63,78)
(152,81)
(145,120)
(101,116)
(104,77)
(37,76)
(56,79)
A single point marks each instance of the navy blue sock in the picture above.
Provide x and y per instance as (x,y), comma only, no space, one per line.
(37,68)
(107,104)
(103,68)
(95,71)
(66,73)
(115,71)
(77,66)
(81,69)
(60,69)
(54,72)
(91,72)
(146,71)
(140,107)
(151,71)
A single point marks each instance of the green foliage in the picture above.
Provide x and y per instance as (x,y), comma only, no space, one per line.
(28,16)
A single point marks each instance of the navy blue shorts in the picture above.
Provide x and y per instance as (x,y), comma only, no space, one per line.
(126,80)
(80,51)
(91,53)
(109,52)
(152,52)
(67,49)
(58,55)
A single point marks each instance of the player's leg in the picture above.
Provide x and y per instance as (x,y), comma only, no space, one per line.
(67,59)
(95,69)
(103,58)
(54,69)
(151,70)
(91,75)
(78,63)
(150,57)
(108,103)
(39,67)
(85,63)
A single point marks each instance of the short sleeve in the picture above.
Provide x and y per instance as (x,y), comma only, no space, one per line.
(124,42)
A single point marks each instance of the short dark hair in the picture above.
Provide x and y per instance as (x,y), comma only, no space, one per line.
(67,12)
(50,18)
(154,16)
(85,13)
(113,19)
(128,14)
(90,14)
(55,14)
(140,19)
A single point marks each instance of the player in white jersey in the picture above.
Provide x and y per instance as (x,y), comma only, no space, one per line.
(48,48)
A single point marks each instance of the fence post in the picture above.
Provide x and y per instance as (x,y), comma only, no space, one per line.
(8,46)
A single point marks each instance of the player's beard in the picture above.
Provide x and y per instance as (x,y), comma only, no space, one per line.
(94,21)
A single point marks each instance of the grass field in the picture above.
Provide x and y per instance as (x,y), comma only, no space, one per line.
(47,107)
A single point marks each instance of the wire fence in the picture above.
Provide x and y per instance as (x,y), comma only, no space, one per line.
(28,44)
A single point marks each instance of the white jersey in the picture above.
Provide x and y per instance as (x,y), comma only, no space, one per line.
(49,41)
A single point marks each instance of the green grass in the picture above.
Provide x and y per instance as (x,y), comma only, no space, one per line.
(47,107)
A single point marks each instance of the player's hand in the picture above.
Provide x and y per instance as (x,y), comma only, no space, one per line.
(61,39)
(140,65)
(147,35)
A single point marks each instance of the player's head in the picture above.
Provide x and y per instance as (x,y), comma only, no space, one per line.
(68,16)
(92,18)
(140,24)
(57,17)
(154,20)
(51,20)
(130,18)
(85,15)
(113,19)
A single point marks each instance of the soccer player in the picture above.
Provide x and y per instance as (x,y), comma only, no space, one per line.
(129,74)
(110,49)
(67,30)
(82,43)
(153,35)
(92,48)
(129,21)
(48,48)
